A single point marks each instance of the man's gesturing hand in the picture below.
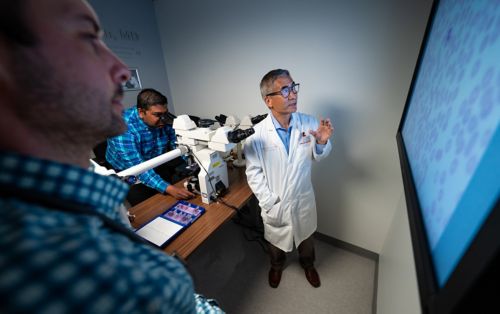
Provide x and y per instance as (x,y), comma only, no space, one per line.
(324,131)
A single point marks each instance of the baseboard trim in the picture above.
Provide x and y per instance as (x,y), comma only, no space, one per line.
(347,246)
(375,289)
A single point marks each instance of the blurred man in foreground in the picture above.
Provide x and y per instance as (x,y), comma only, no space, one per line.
(64,246)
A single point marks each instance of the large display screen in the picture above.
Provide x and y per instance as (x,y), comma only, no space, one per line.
(451,129)
(449,135)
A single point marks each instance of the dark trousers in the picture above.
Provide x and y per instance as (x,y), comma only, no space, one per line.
(140,192)
(306,255)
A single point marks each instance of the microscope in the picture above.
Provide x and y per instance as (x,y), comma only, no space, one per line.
(204,143)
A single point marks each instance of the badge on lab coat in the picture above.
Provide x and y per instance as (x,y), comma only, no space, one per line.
(305,138)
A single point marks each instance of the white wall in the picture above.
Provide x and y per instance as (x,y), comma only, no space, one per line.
(354,60)
(397,290)
(132,33)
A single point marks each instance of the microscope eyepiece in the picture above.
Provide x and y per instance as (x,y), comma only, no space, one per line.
(239,135)
(206,123)
(258,118)
(221,119)
(167,118)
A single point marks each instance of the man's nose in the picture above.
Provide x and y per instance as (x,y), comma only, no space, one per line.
(119,70)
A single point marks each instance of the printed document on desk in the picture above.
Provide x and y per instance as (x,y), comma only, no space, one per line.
(164,228)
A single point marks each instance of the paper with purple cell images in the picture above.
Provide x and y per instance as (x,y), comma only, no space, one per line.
(165,227)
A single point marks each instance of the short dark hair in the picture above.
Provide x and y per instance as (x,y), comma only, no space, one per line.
(266,84)
(149,97)
(13,23)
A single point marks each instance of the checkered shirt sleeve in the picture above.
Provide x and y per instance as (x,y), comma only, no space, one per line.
(140,143)
(57,261)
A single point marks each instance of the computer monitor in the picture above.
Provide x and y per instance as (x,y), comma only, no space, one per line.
(449,146)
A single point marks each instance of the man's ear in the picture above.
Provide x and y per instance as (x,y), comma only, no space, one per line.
(267,100)
(142,112)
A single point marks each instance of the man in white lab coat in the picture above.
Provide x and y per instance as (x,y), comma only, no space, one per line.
(279,157)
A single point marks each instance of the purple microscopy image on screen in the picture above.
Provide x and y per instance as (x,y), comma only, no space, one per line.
(455,107)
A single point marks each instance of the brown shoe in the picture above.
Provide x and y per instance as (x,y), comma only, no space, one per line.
(274,277)
(313,277)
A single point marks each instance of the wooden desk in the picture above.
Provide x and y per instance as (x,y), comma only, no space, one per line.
(216,213)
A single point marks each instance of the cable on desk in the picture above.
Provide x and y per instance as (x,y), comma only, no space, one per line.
(222,201)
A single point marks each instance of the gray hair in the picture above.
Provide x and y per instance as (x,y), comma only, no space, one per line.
(267,82)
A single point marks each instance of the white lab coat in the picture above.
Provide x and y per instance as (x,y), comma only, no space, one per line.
(281,182)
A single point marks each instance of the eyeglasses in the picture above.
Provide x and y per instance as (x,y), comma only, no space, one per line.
(285,90)
(159,114)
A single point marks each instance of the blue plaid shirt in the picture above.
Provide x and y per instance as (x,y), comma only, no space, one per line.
(58,261)
(139,144)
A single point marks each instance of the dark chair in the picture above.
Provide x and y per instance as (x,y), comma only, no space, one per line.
(100,155)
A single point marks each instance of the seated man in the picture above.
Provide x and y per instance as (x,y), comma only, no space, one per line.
(147,136)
